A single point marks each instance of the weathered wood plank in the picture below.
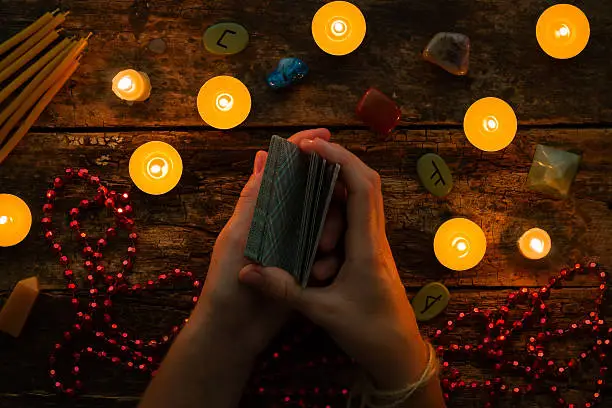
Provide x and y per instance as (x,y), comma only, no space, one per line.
(506,61)
(26,384)
(179,228)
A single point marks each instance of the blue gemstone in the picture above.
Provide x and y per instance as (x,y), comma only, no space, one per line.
(289,71)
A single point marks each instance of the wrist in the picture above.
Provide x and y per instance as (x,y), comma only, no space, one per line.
(400,365)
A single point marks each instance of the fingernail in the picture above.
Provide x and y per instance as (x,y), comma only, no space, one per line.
(252,276)
(259,164)
(307,142)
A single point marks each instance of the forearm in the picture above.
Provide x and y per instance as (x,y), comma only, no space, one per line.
(406,367)
(203,368)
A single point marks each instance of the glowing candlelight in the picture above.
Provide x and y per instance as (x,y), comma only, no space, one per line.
(490,124)
(535,243)
(156,167)
(131,85)
(224,102)
(459,244)
(338,28)
(563,31)
(15,220)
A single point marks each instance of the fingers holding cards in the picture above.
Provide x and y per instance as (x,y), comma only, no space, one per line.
(310,134)
(332,229)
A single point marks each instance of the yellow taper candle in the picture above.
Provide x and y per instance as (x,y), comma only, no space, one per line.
(68,53)
(26,32)
(46,84)
(459,244)
(34,68)
(32,41)
(27,57)
(36,111)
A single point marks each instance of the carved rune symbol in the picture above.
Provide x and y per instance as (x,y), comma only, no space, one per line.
(222,36)
(429,304)
(437,172)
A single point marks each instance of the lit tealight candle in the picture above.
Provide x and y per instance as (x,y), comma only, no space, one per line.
(15,220)
(338,28)
(563,31)
(490,124)
(224,102)
(459,244)
(535,243)
(132,86)
(156,167)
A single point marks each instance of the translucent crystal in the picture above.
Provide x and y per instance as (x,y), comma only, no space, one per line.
(450,51)
(289,71)
(552,171)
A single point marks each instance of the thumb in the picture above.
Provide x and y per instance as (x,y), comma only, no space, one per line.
(279,284)
(243,213)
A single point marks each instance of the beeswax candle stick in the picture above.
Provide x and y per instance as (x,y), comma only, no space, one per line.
(34,96)
(38,79)
(32,41)
(27,57)
(26,32)
(35,113)
(18,306)
(34,68)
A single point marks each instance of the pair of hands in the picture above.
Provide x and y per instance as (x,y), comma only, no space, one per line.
(365,308)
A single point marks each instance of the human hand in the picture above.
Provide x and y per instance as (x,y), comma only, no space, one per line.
(365,309)
(234,310)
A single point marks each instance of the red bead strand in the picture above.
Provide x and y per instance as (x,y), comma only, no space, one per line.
(533,365)
(94,332)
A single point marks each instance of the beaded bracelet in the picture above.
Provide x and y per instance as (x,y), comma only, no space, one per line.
(372,397)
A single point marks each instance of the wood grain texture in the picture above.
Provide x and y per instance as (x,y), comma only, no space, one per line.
(506,61)
(26,384)
(178,229)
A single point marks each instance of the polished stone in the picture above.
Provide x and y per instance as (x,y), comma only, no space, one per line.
(450,51)
(553,171)
(226,38)
(430,301)
(378,111)
(157,46)
(434,174)
(288,72)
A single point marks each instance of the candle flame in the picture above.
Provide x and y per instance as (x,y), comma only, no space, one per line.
(338,28)
(157,168)
(537,245)
(224,102)
(125,84)
(490,124)
(3,219)
(563,31)
(461,245)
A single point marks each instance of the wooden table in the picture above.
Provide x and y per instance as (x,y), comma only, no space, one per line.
(566,104)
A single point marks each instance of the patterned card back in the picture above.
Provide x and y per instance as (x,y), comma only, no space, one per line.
(290,209)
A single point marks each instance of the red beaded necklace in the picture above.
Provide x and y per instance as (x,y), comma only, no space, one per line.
(95,332)
(533,365)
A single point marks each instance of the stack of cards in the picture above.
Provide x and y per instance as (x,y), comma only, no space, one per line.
(294,196)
